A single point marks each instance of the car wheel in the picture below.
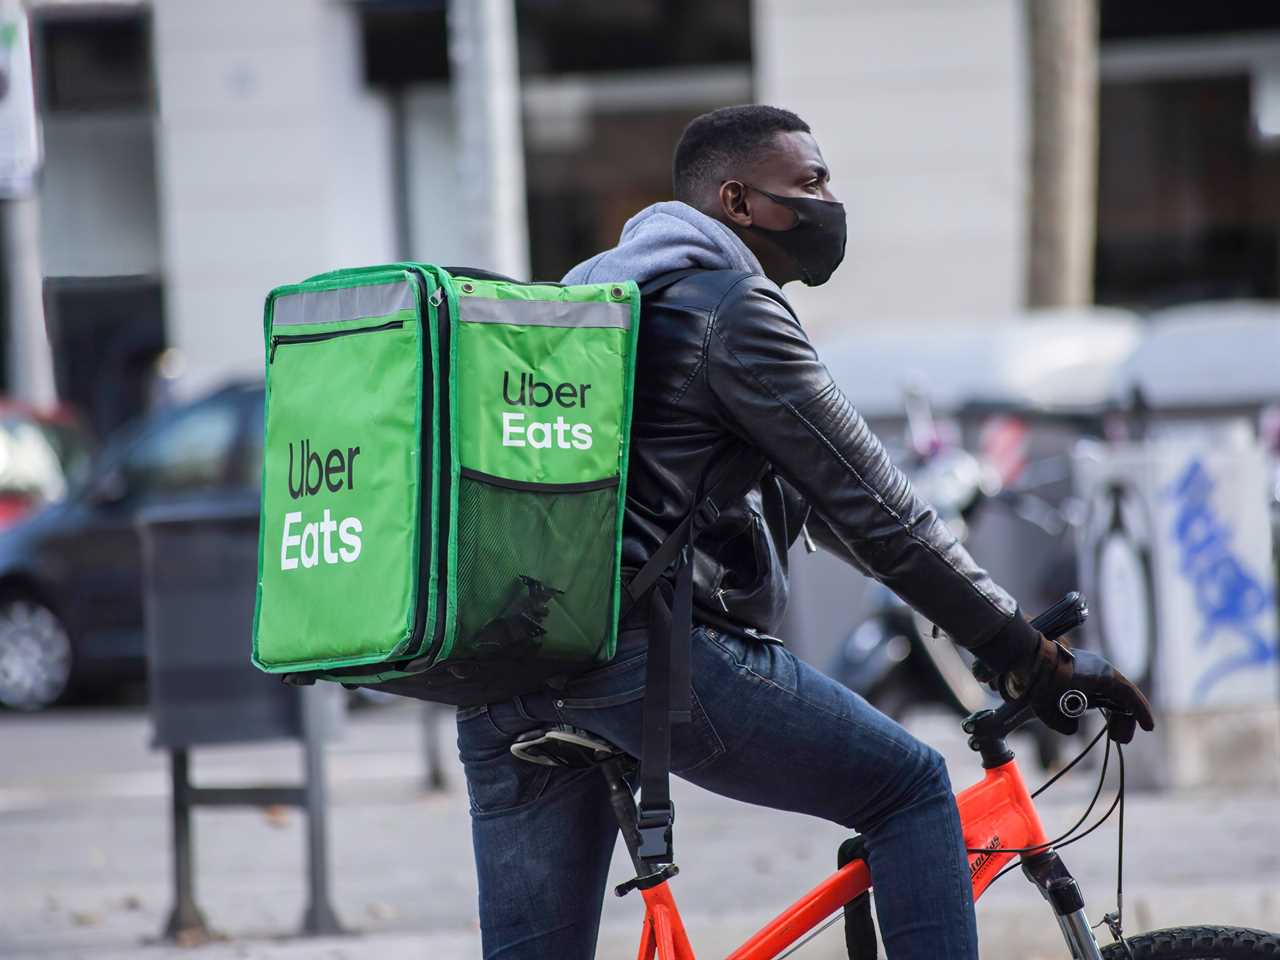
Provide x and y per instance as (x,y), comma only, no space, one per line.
(35,655)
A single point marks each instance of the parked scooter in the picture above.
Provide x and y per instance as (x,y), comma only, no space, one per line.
(895,657)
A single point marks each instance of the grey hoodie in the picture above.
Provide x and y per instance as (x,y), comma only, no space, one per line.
(666,236)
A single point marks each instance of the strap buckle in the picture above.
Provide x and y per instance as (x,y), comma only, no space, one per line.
(705,513)
(653,824)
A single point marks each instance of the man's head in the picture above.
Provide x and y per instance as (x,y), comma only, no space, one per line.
(758,170)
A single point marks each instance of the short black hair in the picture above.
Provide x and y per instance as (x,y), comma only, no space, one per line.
(714,145)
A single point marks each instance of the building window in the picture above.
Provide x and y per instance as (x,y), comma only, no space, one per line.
(404,42)
(1186,194)
(587,36)
(91,63)
(1188,152)
(607,89)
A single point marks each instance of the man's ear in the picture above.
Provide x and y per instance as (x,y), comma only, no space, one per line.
(734,203)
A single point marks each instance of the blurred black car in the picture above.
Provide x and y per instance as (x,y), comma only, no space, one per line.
(71,573)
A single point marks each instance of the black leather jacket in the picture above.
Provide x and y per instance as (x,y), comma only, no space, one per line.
(722,362)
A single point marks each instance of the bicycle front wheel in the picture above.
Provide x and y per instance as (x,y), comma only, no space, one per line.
(1198,943)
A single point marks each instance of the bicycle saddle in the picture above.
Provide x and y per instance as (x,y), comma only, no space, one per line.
(563,746)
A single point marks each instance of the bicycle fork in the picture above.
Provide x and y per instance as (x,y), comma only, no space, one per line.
(1055,883)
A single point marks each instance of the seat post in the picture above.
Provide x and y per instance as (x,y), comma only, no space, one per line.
(624,809)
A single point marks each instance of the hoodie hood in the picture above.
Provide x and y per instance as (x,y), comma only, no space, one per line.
(666,236)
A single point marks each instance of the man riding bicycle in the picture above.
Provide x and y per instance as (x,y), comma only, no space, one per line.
(724,365)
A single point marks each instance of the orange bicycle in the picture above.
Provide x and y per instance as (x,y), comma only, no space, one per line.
(1000,823)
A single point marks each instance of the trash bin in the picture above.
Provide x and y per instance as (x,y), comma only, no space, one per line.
(200,569)
(1176,561)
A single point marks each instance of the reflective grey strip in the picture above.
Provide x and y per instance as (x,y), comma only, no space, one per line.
(545,313)
(342,303)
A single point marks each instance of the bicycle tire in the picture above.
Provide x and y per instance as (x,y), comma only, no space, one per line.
(1198,943)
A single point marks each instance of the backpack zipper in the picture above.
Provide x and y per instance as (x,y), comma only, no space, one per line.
(328,335)
(438,397)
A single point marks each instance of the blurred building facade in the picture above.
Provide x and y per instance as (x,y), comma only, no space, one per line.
(199,154)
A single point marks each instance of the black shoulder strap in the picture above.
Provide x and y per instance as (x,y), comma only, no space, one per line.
(475,273)
(648,288)
(667,673)
(733,478)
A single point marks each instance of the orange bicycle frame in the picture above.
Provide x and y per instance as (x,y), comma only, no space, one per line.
(997,813)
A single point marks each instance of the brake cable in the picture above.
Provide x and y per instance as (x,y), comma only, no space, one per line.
(1114,919)
(1062,840)
(1067,769)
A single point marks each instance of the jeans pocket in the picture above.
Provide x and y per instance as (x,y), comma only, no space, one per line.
(609,702)
(764,661)
(696,743)
(504,784)
(497,782)
(612,685)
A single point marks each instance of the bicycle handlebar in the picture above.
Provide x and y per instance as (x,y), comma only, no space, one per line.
(1065,615)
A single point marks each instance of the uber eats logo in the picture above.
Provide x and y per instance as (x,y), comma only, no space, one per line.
(521,430)
(323,540)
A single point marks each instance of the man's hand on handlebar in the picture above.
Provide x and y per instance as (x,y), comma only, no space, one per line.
(1062,684)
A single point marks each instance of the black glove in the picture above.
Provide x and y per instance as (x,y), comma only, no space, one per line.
(1063,683)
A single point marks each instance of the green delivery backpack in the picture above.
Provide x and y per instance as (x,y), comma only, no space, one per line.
(443,479)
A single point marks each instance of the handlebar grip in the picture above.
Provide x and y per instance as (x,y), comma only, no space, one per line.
(1064,616)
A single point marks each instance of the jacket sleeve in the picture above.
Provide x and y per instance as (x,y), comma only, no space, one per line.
(826,538)
(772,390)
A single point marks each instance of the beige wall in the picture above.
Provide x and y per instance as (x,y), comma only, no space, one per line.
(273,161)
(919,108)
(98,195)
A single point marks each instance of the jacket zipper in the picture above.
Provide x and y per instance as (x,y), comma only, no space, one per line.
(327,335)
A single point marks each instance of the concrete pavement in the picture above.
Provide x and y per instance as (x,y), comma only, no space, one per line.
(84,840)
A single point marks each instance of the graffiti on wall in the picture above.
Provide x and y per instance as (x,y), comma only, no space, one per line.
(1234,604)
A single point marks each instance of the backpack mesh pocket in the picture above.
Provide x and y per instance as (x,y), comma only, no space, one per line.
(536,569)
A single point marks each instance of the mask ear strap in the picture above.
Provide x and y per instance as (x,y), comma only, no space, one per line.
(779,201)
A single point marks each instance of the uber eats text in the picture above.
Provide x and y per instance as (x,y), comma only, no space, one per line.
(308,544)
(518,430)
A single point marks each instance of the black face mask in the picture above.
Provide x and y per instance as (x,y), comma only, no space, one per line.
(816,242)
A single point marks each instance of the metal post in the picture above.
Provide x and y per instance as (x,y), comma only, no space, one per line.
(402,198)
(30,362)
(319,917)
(30,365)
(431,716)
(186,922)
(1061,229)
(486,91)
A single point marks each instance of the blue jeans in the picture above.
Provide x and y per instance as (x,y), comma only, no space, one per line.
(767,729)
